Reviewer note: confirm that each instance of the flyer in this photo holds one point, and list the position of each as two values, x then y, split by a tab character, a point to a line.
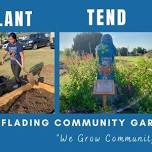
75	75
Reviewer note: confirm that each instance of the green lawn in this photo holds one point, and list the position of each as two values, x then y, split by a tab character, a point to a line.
129	59
32	57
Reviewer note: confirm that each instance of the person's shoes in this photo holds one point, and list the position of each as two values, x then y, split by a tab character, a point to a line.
15	86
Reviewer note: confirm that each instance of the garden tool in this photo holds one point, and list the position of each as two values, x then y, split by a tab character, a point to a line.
30	76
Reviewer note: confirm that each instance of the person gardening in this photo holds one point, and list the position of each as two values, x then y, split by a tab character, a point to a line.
15	50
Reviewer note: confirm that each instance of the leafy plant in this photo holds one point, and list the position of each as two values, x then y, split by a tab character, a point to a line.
133	79
76	91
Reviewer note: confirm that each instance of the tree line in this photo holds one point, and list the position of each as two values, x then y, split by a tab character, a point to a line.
86	43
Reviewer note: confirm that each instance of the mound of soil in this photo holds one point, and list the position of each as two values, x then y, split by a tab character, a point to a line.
33	101
48	74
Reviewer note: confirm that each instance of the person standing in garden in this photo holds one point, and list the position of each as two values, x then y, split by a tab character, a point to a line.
15	50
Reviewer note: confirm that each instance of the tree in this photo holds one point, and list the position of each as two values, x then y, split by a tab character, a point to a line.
2	36
139	51
67	52
86	42
122	51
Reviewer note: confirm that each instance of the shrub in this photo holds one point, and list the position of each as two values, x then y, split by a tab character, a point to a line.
76	90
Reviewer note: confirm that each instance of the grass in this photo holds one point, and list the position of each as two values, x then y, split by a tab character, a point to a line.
129	59
32	57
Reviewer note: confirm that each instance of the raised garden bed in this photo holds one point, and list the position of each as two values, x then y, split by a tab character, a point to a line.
29	99
3	84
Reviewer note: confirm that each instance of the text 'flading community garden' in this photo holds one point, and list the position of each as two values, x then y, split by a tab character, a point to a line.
79	68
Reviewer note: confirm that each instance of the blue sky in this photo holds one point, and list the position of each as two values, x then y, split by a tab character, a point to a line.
120	39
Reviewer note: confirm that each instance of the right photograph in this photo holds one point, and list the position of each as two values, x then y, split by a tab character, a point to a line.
105	72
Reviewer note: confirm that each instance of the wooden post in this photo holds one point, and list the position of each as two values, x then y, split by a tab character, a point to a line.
104	100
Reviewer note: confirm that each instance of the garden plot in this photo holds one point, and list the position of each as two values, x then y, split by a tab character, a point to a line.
33	101
29	99
133	83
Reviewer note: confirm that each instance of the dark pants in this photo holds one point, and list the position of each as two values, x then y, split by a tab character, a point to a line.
16	69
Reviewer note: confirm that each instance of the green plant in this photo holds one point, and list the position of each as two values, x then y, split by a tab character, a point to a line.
76	91
133	78
139	77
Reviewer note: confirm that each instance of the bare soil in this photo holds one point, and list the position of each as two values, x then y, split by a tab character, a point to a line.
33	101
48	74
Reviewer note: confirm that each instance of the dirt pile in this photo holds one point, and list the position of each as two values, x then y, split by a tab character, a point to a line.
33	101
48	74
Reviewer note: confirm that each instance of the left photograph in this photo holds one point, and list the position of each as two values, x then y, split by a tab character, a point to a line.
27	72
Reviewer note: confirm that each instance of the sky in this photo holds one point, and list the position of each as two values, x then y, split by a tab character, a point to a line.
120	39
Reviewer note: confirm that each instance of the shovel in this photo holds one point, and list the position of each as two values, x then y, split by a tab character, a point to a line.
30	76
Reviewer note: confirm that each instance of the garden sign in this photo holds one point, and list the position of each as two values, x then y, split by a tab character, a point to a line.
104	85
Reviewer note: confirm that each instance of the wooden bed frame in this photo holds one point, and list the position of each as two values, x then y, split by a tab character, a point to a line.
7	99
